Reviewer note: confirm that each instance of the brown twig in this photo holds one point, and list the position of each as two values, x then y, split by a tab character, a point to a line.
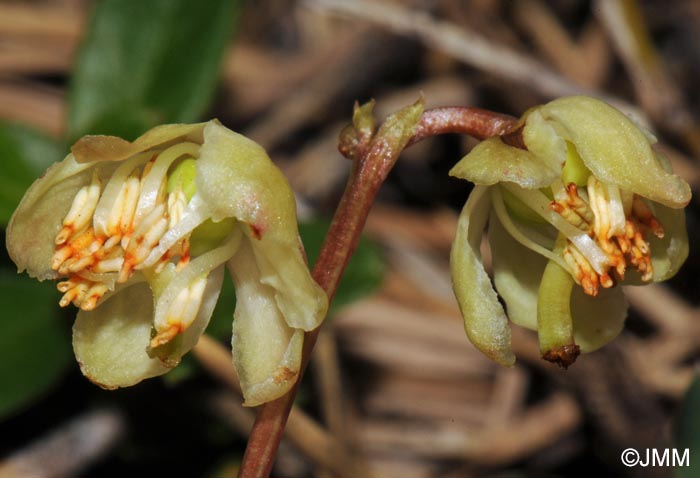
374	159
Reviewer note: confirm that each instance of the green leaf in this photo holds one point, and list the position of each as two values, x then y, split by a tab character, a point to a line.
25	154
364	272
688	430
34	343
145	63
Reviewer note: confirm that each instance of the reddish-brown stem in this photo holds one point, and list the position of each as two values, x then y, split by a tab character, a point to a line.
475	122
368	173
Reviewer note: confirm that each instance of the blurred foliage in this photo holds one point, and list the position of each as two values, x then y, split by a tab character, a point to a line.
34	346
688	430
147	63
25	154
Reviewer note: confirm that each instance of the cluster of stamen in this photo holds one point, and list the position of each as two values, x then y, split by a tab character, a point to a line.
93	255
624	243
181	312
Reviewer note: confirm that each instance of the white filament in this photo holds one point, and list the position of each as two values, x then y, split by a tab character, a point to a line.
152	182
539	203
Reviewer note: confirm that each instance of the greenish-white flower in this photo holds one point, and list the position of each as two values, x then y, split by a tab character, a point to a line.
138	235
578	197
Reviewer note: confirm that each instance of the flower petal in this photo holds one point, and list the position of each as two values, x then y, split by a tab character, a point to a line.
38	218
485	321
492	161
599	319
517	273
615	149
300	299
94	148
542	140
266	351
168	284
668	253
110	342
236	178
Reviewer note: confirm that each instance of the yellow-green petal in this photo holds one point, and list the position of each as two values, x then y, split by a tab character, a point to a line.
110	342
266	351
95	148
485	322
492	161
597	320
517	272
236	178
668	253
615	149
300	299
39	216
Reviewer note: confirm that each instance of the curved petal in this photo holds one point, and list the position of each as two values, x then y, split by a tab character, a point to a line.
517	272
543	141
668	253
39	216
170	354
492	161
93	148
110	342
266	351
485	321
168	284
236	178
37	220
597	320
191	336
300	299
615	149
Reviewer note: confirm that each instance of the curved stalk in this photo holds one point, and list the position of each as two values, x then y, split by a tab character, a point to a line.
373	159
